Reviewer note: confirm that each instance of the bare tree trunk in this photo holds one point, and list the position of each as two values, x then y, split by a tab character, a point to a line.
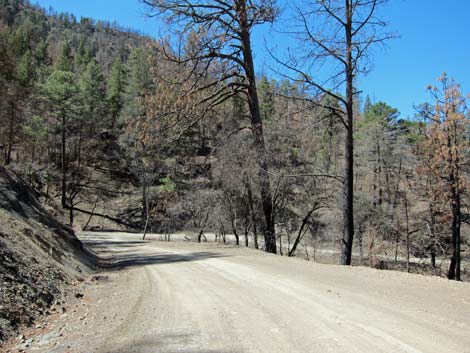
257	126
144	196
454	268
247	228
233	220
397	241
348	212
116	220
222	231
252	211
71	210
433	235
64	165
10	134
306	251
407	235
288	242
361	245
394	206
146	225
91	214
379	171
33	149
235	233
300	233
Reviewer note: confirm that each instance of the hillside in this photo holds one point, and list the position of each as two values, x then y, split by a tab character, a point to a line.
39	257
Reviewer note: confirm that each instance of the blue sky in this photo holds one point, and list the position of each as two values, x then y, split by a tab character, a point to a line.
434	38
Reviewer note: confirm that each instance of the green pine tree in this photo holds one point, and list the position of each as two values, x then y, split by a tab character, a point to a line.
81	58
25	70
60	91
64	61
266	98
115	90
92	94
139	83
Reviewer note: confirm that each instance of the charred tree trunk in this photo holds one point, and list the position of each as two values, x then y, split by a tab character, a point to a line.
361	245
64	164
300	234
146	206
233	218
222	232
433	235
91	214
257	126
71	211
10	135
348	212
407	218
252	211
33	150
247	224
235	232
454	268
144	196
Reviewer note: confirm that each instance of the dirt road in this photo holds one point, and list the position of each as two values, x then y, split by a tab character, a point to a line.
184	297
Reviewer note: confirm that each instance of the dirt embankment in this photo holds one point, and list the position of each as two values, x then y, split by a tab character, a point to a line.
39	257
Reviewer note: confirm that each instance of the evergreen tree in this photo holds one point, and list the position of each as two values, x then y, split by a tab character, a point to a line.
64	61
377	133
266	98
115	90
81	58
61	91
35	129
139	83
92	92
42	61
40	53
25	70
19	40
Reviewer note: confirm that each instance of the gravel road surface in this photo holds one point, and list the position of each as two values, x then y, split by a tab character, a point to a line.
186	297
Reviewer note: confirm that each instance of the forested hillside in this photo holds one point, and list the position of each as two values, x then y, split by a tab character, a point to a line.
126	131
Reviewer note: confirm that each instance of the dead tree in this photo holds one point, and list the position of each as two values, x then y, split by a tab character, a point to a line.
219	55
340	33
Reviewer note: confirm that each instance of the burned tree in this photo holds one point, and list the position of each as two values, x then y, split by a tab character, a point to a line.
337	34
218	55
445	157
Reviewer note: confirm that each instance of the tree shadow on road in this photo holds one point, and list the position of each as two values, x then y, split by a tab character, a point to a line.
117	255
125	260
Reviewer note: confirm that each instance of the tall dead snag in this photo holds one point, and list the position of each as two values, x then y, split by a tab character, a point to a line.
446	148
338	33
219	54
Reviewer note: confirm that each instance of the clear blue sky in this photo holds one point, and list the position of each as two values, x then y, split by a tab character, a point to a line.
435	37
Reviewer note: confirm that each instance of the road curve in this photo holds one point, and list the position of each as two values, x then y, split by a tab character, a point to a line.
209	298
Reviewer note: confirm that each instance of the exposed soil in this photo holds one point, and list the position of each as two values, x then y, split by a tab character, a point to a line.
40	259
